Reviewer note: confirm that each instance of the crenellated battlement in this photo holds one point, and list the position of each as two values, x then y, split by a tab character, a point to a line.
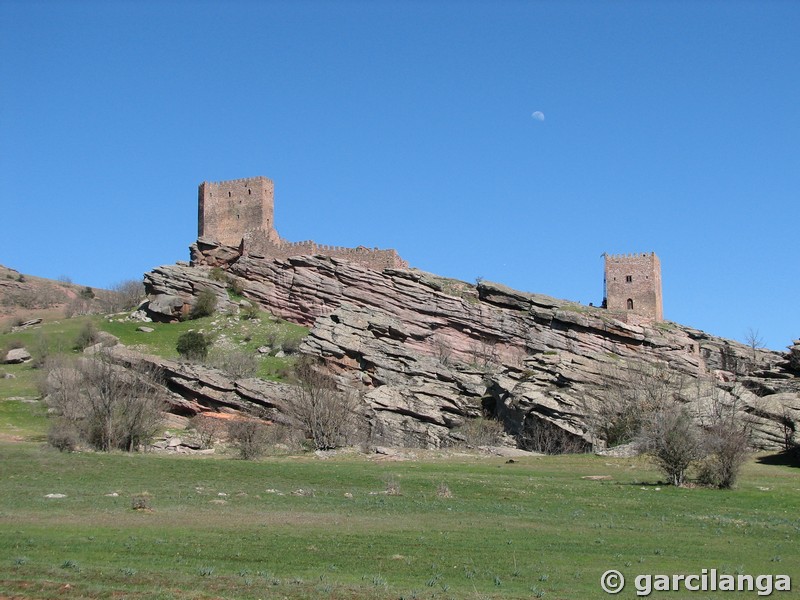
629	256
240	213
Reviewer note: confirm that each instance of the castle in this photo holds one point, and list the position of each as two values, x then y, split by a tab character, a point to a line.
633	285
241	213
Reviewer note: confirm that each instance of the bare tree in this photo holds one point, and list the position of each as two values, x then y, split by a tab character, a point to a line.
328	415
754	340
628	396
125	295
673	441
727	439
249	436
112	407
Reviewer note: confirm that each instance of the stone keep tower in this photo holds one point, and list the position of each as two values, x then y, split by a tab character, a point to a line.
229	210
633	284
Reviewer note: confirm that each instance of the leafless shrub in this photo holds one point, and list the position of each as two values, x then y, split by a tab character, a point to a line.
789	429
78	307
628	396
443	491
393	487
236	363
726	441
208	430
112	407
538	435
442	350
484	355
249	437
40	350
727	446
327	415
14	344
63	435
481	432
141	502
125	295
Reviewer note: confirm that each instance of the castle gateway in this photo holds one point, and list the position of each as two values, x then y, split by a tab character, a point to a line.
633	285
241	213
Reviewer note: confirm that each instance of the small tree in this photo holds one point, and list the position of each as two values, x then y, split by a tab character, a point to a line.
204	305
672	439
726	442
193	345
327	415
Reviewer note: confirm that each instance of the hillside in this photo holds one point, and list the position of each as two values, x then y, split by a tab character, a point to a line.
25	296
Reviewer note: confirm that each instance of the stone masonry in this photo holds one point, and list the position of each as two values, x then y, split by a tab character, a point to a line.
241	213
633	285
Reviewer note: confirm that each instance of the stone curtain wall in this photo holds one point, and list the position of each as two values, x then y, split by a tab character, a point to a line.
240	213
635	277
256	244
228	210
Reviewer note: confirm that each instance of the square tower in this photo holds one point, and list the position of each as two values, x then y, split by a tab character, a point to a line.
633	284
227	210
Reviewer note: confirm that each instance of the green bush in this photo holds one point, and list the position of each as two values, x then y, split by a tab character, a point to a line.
193	345
204	305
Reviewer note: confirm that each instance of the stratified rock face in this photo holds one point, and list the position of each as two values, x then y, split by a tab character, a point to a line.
430	352
194	389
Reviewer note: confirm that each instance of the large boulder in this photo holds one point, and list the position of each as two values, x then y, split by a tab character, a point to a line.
17	356
165	307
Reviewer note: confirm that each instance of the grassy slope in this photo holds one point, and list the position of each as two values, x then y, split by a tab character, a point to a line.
21	416
508	529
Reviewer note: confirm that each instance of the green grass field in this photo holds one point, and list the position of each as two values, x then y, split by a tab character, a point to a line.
226	528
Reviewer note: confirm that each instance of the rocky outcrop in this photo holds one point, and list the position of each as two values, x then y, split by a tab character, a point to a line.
430	352
195	389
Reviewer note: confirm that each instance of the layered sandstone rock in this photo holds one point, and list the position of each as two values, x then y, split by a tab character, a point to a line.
430	352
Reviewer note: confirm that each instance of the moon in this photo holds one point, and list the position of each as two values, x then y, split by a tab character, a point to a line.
538	115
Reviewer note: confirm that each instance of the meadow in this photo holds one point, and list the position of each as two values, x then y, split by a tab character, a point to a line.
440	525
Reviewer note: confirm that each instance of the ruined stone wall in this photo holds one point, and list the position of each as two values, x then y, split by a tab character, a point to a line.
229	210
633	284
375	258
240	213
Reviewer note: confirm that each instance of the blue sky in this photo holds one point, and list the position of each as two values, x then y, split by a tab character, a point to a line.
671	127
